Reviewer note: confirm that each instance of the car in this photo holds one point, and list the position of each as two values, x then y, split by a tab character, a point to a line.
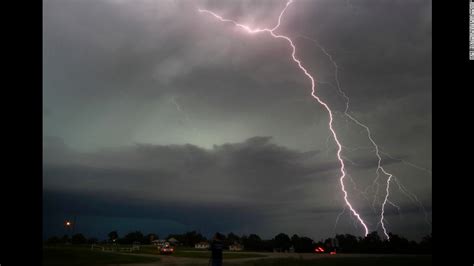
319	250
166	249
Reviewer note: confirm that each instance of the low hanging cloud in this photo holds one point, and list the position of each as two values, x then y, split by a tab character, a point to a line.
255	170
245	172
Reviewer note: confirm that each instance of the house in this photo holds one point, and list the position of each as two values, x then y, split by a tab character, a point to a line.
159	242
173	241
202	245
236	247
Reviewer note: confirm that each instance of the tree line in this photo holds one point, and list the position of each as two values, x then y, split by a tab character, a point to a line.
343	243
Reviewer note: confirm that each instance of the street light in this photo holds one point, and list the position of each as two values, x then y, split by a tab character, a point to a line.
67	226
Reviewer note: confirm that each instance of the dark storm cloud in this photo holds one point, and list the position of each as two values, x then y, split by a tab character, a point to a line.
134	57
248	171
255	180
197	91
244	172
92	204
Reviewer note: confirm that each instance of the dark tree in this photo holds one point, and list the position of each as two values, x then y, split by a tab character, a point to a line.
294	239
282	242
303	244
192	238
65	239
253	242
53	240
372	243
233	238
348	243
397	244
132	237
150	237
426	245
188	239
328	243
78	239
113	235
92	240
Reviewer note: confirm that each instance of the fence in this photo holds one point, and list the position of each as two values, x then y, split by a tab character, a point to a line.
115	248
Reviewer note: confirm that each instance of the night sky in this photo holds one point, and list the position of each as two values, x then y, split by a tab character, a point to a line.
162	119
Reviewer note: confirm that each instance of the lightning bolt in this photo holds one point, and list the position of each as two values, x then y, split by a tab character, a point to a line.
178	107
379	166
338	217
313	92
414	198
375	146
186	116
421	168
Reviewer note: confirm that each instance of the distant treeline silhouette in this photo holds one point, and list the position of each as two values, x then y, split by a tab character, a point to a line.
346	243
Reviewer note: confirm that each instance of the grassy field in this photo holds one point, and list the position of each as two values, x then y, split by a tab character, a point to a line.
376	261
226	255
82	256
79	255
195	253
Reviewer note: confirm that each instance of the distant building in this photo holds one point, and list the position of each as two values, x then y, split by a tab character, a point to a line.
159	242
202	245
236	247
173	241
136	245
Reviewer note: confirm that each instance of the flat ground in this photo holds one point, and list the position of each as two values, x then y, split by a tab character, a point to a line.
79	256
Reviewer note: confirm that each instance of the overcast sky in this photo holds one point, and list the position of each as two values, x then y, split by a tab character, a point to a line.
162	119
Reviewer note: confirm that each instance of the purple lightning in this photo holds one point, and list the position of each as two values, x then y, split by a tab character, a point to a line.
376	150
186	116
313	94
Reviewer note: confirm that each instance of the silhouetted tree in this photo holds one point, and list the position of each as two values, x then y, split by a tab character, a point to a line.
113	236
65	239
348	243
302	244
192	238
294	239
92	240
78	239
328	243
397	244
131	237
267	245
149	238
189	238
372	243
54	240
426	245
282	242
254	242
231	239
